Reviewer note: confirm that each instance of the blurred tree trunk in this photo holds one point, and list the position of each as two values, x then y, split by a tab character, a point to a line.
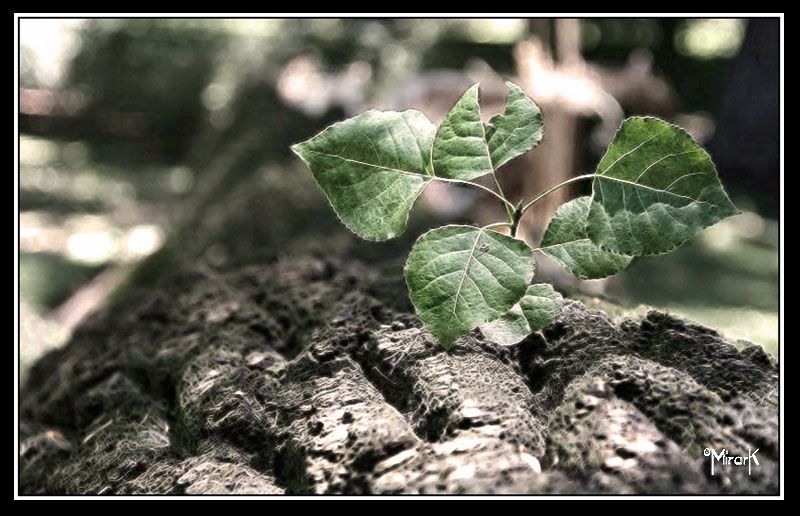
746	142
554	159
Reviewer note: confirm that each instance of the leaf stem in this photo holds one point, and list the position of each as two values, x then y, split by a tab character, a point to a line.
505	201
554	188
509	209
496	224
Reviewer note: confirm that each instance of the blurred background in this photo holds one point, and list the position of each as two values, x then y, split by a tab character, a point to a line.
147	145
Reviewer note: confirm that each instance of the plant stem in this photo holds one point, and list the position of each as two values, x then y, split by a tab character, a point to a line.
505	201
516	216
515	213
554	188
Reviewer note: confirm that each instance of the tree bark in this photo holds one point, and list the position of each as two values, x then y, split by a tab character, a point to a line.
295	377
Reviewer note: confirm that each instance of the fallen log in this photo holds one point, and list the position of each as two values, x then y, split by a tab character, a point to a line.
296	377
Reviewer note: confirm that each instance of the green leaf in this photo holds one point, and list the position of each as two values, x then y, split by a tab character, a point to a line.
462	276
460	150
566	241
372	168
517	130
654	189
537	308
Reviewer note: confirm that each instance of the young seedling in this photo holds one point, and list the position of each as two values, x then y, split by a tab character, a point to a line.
653	190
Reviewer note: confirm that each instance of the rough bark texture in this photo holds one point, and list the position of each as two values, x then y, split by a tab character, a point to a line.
296	377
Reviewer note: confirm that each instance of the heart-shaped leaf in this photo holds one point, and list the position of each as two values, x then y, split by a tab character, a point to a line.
460	150
654	189
372	168
517	130
537	308
566	241
462	276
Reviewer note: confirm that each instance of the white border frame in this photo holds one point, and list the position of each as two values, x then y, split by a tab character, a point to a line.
17	16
